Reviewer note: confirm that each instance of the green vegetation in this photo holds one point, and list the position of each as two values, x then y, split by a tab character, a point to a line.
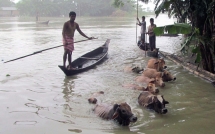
178	28
200	15
197	14
56	8
6	3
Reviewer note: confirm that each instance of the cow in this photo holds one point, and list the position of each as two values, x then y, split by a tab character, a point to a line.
153	73
150	87
158	64
157	80
153	102
167	76
93	99
135	69
120	113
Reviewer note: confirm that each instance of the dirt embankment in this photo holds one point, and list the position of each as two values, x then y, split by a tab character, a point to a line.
187	64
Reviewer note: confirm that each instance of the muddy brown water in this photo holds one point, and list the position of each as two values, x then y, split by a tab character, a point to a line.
38	98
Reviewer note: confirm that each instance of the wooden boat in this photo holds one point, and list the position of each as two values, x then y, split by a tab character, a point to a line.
153	53
88	60
146	47
42	22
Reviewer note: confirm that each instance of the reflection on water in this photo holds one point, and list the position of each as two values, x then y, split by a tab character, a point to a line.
38	98
68	84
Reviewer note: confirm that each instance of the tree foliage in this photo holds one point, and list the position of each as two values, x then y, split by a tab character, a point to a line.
199	14
63	7
178	28
6	3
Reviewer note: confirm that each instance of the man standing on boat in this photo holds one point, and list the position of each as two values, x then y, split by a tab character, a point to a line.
152	37
69	28
143	29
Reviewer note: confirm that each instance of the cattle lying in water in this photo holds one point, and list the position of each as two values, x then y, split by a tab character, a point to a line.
135	69
120	113
153	73
150	87
157	80
153	102
167	76
93	99
158	64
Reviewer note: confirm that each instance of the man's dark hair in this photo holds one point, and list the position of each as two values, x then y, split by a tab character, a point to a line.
72	13
151	19
143	17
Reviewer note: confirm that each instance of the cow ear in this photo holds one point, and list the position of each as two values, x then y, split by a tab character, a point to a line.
156	62
166	102
133	68
162	74
151	100
152	81
115	107
115	115
162	60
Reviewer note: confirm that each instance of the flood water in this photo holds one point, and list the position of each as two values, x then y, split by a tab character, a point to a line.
37	98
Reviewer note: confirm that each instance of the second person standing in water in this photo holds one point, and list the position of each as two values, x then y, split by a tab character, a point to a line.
143	29
152	37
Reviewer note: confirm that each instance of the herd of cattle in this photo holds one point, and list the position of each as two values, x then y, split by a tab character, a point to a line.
155	75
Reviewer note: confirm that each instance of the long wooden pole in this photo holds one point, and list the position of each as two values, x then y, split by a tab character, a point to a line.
145	43
44	50
136	19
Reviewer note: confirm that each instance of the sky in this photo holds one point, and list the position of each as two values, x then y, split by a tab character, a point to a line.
15	1
150	5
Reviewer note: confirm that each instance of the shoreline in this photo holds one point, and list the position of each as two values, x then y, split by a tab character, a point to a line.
190	67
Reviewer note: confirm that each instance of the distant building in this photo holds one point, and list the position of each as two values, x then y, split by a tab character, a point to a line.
9	12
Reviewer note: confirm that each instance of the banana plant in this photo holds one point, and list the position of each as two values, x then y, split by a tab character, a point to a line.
177	28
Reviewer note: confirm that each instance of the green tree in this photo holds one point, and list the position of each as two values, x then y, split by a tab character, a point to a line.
6	3
200	13
63	7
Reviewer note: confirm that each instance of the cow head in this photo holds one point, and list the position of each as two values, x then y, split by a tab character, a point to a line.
157	103
92	100
137	70
123	114
167	76
160	64
159	81
151	87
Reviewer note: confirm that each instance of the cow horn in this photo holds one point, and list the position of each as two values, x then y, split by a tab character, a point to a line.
160	98
162	74
150	100
115	115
